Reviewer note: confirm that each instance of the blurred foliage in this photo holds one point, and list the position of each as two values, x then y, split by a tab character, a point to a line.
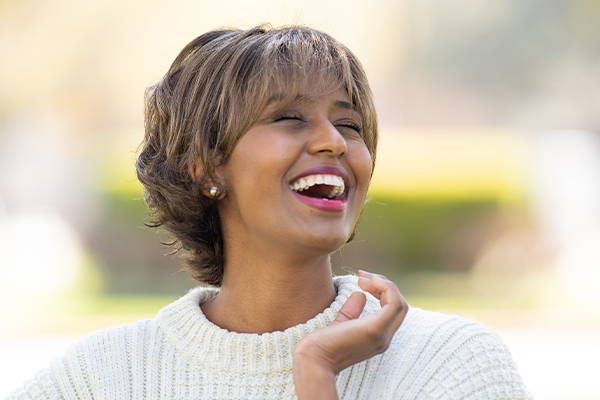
409	234
130	255
121	304
120	190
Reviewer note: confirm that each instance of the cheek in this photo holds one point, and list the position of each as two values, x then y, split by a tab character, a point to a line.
362	164
258	163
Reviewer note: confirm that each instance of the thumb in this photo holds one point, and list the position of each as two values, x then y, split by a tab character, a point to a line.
351	308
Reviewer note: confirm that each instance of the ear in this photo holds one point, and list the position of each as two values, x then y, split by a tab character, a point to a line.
200	176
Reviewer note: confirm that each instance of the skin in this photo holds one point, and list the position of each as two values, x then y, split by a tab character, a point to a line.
322	354
270	236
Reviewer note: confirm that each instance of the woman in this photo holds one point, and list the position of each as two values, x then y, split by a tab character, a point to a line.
257	157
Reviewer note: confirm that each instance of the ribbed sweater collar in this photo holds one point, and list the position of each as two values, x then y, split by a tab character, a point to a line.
201	342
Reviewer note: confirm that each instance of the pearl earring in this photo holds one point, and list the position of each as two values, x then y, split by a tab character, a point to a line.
214	192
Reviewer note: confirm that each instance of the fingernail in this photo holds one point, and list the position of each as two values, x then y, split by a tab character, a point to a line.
364	272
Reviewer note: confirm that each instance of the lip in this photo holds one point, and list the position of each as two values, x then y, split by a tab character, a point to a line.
322	204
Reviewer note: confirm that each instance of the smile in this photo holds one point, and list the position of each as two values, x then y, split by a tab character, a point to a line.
325	192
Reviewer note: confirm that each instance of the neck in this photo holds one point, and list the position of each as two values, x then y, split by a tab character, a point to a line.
264	294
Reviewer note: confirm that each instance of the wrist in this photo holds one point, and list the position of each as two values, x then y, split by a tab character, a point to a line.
307	353
306	363
313	380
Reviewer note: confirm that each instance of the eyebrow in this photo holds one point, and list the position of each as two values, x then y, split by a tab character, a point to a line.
345	104
277	97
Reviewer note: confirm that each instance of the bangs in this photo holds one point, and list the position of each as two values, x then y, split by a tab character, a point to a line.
299	64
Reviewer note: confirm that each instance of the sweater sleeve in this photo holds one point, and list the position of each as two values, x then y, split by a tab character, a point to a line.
473	363
41	386
64	379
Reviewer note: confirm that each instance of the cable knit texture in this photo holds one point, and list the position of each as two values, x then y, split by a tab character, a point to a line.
180	354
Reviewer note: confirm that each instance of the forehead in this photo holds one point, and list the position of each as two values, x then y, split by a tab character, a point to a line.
293	84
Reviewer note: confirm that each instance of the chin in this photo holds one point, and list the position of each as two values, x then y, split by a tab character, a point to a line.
328	242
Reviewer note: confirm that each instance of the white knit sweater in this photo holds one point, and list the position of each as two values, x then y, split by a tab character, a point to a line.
180	354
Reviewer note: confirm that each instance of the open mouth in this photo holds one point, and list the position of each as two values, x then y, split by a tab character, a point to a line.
322	191
329	187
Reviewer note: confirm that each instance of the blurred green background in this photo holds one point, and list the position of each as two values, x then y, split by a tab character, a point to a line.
485	199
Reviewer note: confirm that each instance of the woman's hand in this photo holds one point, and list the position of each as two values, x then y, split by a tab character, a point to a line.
349	340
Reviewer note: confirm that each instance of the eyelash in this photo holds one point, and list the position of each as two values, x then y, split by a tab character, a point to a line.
296	117
287	116
352	126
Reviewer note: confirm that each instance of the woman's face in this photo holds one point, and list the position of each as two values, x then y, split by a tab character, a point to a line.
298	177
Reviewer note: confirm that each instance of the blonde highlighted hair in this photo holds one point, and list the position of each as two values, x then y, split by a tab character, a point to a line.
214	91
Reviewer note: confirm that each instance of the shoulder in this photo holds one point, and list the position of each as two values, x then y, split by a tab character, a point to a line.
114	338
98	353
451	356
90	362
429	338
444	330
110	345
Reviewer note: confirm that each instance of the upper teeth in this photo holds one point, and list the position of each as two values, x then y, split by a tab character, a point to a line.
332	180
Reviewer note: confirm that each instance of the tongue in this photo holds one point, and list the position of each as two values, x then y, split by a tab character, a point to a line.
318	191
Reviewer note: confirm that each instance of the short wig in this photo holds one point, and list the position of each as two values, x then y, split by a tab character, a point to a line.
214	91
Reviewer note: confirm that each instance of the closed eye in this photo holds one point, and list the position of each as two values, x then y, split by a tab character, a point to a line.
352	126
288	117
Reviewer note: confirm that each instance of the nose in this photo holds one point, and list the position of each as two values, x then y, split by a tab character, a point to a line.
325	138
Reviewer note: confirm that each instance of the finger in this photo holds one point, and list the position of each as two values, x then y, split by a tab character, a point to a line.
365	283
389	291
379	286
352	308
368	273
394	306
387	320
